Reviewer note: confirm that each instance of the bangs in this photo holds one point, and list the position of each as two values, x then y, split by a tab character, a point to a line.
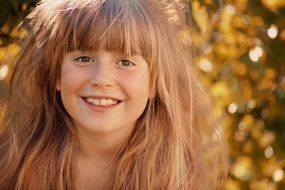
122	26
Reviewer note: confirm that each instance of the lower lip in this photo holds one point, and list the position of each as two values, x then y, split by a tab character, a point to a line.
99	108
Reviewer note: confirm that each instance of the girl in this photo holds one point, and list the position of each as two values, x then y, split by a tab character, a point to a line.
103	97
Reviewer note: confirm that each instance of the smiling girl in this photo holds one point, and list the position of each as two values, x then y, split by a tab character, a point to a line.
103	96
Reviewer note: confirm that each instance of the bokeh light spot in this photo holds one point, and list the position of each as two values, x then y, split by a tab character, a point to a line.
278	175
4	72
242	168
230	9
251	104
232	108
205	65
272	32
255	53
268	152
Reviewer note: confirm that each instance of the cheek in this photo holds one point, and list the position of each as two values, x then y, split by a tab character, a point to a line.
72	79
139	85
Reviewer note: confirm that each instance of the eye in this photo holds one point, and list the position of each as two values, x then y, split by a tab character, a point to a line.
84	59
126	63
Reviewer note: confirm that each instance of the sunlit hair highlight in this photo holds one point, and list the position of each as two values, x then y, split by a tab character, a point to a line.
176	143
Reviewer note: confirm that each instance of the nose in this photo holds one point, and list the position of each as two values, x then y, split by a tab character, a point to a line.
102	75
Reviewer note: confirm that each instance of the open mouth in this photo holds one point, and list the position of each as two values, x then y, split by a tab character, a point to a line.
102	102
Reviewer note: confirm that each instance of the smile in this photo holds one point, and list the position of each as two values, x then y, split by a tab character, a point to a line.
102	101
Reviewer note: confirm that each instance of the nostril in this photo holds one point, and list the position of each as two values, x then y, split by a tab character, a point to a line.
102	81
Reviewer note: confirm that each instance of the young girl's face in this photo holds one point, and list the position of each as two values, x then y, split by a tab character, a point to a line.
104	91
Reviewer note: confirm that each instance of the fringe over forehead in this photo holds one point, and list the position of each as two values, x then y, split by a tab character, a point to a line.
128	26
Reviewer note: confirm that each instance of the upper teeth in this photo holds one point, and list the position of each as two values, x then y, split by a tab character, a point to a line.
102	102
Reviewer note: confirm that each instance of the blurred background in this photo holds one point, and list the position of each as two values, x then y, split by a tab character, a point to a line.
239	50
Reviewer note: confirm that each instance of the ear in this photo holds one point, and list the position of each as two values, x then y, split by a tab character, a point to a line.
58	85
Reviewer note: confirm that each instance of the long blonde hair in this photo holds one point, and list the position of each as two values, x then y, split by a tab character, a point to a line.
176	143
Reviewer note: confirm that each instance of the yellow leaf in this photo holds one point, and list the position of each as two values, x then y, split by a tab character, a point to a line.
232	184
242	168
201	16
273	4
266	139
221	92
263	184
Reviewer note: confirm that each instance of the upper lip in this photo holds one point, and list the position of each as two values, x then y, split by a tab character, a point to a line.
101	97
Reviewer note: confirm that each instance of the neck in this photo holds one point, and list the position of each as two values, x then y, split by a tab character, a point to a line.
101	146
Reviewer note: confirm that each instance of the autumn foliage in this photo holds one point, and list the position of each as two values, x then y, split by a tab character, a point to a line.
238	47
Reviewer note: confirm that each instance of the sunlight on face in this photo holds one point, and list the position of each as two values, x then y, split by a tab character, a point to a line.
104	91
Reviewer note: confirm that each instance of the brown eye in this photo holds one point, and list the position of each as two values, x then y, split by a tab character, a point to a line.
126	63
84	59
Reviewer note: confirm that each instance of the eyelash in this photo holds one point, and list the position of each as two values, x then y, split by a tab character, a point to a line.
120	62
130	63
84	57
